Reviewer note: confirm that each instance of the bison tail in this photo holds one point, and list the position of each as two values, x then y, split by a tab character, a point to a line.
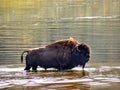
22	56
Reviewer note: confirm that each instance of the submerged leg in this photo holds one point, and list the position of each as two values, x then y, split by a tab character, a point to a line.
28	65
34	68
83	66
61	67
83	71
45	69
27	68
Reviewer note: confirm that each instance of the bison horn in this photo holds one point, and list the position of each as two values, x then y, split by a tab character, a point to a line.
78	48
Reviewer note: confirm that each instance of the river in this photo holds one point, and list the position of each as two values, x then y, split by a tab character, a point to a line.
30	24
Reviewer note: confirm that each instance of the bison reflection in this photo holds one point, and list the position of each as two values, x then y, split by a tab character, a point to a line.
62	55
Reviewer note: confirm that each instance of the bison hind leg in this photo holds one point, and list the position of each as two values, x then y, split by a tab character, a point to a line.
34	68
27	68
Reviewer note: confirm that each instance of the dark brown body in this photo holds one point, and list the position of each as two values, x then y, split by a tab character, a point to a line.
62	55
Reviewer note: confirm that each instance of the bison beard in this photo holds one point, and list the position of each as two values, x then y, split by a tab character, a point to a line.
62	55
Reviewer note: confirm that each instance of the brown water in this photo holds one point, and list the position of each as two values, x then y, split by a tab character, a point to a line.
93	78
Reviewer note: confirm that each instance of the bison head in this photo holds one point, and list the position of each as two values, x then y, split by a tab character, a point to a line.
82	54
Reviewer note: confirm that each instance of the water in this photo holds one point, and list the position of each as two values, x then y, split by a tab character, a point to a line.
93	78
102	34
30	24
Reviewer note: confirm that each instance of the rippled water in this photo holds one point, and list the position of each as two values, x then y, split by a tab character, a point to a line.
31	24
93	78
28	24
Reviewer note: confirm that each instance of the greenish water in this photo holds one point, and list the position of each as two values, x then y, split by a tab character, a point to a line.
101	34
29	24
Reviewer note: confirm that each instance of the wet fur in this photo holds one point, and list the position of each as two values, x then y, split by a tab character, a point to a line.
62	55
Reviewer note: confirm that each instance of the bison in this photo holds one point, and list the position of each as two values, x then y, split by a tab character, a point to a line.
62	55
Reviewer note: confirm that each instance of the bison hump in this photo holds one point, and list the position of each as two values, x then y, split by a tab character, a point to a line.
66	42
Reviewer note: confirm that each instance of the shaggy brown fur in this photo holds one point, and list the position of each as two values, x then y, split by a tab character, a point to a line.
62	54
67	42
64	49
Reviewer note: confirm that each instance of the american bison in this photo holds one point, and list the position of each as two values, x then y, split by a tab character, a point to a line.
62	55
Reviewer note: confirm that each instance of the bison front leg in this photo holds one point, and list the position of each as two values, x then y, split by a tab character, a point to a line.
60	62
60	67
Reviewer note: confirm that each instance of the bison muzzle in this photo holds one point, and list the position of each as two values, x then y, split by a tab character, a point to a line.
62	55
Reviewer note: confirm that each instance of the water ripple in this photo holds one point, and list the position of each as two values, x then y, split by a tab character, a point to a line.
100	76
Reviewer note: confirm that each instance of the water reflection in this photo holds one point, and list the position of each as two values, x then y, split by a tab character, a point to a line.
17	78
30	24
33	23
51	79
